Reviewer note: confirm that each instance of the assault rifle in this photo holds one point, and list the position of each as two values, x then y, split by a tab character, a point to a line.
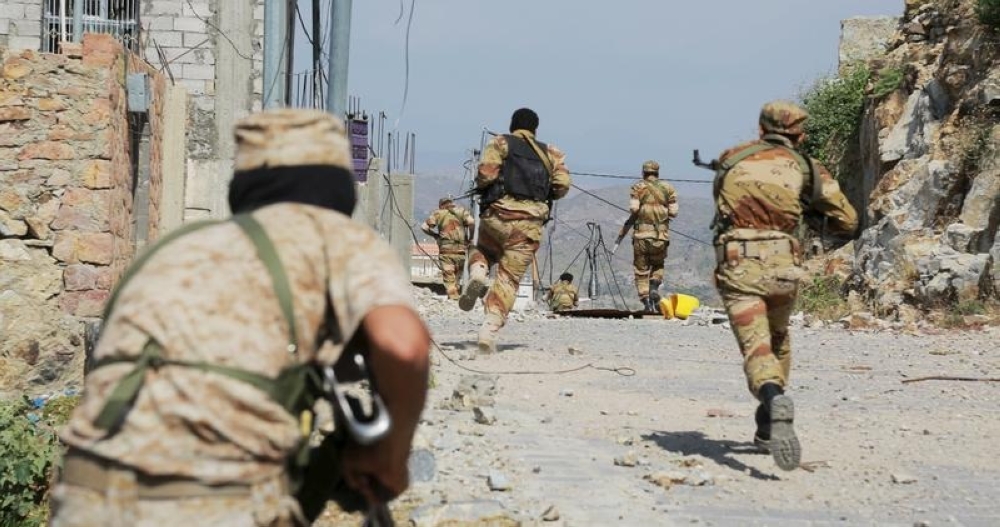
711	165
624	231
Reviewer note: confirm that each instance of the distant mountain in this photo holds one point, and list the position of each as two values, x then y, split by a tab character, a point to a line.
690	259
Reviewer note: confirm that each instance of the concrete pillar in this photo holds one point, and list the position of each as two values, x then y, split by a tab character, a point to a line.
172	158
400	235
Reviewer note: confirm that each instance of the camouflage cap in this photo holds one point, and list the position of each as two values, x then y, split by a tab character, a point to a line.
783	117
445	200
291	137
650	167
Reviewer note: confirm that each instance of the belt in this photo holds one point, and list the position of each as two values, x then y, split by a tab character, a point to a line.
756	249
84	470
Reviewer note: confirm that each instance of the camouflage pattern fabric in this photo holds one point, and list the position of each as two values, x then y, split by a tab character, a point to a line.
512	208
563	296
452	265
510	244
264	505
758	271
649	255
449	225
206	297
654	203
783	117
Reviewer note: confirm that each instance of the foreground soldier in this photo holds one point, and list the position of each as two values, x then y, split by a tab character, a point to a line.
653	203
762	189
451	226
563	296
518	178
184	419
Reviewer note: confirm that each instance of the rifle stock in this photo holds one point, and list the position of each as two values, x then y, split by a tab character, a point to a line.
624	230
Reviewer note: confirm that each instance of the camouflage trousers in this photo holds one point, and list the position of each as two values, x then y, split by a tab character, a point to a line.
759	297
511	244
121	504
452	264
648	257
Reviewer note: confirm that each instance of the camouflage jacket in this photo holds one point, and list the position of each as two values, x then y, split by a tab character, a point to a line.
764	193
562	296
508	207
207	297
449	225
654	203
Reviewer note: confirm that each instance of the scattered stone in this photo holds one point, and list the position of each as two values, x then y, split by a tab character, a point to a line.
422	465
666	479
551	514
473	390
478	512
903	478
484	415
566	393
719	412
498	481
629	459
625	440
536	469
573	350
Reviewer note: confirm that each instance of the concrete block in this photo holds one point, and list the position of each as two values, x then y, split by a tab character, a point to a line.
189	23
12	11
4	28
169	39
197	8
199	185
193	87
154	24
195	39
33	11
172	150
26	28
198	72
22	42
164	7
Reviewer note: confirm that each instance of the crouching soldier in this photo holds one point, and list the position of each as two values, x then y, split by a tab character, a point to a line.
563	296
212	342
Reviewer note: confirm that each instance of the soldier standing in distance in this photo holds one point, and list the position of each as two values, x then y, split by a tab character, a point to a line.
518	177
563	296
190	415
653	203
762	190
451	225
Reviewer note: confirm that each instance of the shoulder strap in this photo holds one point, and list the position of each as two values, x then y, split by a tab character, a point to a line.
544	157
808	169
141	260
267	254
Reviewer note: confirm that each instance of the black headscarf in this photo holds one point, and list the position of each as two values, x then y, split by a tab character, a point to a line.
326	186
524	119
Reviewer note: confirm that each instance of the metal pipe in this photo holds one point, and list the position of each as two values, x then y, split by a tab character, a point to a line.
275	38
340	46
62	20
77	20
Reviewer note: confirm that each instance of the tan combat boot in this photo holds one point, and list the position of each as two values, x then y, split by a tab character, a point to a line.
476	287
488	333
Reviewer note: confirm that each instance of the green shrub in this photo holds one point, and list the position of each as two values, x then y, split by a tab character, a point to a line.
822	298
835	107
887	81
28	449
988	12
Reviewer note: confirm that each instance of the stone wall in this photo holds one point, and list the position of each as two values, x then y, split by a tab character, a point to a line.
66	226
21	24
864	38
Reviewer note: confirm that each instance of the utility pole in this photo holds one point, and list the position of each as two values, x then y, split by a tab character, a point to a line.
340	46
276	51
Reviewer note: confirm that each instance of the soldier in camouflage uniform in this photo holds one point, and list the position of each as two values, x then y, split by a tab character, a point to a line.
762	190
176	426
518	177
653	203
451	226
563	296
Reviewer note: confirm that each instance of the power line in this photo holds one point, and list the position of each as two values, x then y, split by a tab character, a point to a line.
636	178
623	209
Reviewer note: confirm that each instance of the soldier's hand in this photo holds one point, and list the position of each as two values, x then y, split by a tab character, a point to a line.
376	471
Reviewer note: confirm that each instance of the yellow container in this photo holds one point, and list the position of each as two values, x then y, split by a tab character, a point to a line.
678	305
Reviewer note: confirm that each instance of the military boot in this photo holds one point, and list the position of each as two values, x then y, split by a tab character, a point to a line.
762	437
476	287
488	333
784	444
654	294
646	305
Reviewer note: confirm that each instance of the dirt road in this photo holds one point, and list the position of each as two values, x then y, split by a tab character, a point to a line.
670	445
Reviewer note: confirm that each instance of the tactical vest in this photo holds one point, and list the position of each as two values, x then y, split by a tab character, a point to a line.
653	200
812	187
523	174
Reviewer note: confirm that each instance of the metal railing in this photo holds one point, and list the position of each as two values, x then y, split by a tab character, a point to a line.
68	20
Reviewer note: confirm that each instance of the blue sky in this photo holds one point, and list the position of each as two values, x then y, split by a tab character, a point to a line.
614	83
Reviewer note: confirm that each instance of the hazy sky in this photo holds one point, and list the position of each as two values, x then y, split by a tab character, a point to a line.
614	83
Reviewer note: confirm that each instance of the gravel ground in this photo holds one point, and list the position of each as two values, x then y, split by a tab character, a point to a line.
670	445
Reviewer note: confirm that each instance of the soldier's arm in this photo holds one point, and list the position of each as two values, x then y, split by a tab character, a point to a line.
428	226
561	180
672	207
399	347
490	162
633	200
833	204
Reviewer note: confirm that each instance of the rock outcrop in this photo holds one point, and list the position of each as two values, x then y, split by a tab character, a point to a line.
932	165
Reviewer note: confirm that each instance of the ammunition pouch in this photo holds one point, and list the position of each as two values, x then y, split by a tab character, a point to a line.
733	251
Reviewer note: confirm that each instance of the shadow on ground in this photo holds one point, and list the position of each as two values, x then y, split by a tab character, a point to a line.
720	451
474	346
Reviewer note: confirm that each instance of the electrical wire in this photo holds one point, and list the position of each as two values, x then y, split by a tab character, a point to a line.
636	178
623	209
406	54
216	28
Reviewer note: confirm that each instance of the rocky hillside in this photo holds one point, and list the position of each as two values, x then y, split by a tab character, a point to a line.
931	166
